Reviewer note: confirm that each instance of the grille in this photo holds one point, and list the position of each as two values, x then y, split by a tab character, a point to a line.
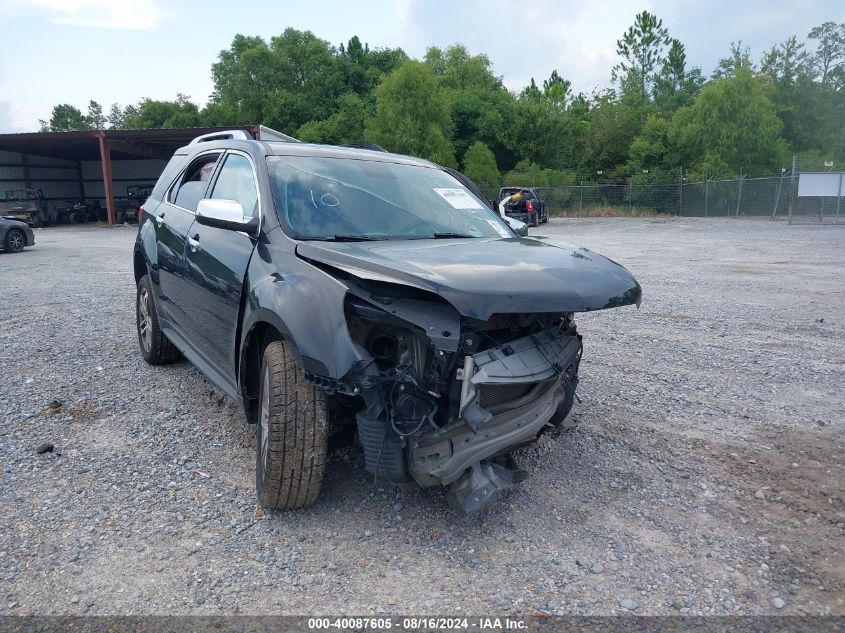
489	395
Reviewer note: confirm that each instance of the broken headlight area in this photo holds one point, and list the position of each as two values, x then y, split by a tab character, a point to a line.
443	400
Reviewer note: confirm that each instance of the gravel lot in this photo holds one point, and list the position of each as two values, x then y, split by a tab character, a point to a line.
706	475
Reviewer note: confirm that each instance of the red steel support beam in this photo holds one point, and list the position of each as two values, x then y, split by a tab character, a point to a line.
105	159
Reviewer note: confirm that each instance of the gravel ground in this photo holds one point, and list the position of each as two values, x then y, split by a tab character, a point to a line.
706	475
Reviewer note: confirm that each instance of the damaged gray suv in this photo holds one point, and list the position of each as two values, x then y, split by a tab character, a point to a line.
348	293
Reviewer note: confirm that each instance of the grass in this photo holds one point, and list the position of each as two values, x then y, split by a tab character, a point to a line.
611	212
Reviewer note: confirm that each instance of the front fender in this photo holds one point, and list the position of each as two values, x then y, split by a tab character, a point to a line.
305	305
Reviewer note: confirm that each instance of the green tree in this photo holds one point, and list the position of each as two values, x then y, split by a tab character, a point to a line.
344	127
613	126
675	86
65	118
480	166
163	114
96	118
731	125
641	49
556	90
652	151
480	107
412	115
739	59
116	117
830	53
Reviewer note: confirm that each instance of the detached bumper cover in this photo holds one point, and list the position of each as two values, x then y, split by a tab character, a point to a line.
535	362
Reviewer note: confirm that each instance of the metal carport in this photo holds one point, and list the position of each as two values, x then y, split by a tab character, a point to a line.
64	164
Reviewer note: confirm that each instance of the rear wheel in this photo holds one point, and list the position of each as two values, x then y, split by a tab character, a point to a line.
291	434
535	219
15	241
156	348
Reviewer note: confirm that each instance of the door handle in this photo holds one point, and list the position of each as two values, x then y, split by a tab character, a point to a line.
160	219
194	243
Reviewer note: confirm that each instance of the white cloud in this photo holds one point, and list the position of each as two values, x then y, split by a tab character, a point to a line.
136	15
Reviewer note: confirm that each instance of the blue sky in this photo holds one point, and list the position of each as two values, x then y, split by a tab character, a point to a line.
55	51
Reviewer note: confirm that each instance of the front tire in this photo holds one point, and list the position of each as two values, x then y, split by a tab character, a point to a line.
15	241
156	348
291	434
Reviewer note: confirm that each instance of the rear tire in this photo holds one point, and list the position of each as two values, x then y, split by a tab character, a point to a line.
535	219
156	348
291	434
15	241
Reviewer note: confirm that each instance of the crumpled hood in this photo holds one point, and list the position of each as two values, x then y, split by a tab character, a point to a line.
482	277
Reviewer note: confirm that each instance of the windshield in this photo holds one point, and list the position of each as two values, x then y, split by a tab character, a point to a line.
346	199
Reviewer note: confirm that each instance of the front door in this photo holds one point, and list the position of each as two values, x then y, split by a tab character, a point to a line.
173	217
216	263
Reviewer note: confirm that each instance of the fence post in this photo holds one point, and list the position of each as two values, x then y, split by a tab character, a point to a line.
838	198
706	192
739	194
581	197
631	196
680	190
791	189
778	190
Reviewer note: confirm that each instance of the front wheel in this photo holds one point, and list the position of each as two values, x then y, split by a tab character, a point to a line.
292	433
156	348
15	241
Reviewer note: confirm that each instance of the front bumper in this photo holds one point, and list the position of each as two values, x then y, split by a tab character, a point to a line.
533	367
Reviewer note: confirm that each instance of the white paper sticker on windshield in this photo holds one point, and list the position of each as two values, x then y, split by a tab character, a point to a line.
499	228
458	198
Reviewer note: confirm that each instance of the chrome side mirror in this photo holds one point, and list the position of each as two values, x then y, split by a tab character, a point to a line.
225	214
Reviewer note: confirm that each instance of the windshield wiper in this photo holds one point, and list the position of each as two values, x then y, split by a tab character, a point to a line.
449	236
345	237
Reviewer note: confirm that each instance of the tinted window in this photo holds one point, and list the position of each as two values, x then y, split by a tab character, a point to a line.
237	182
191	188
335	198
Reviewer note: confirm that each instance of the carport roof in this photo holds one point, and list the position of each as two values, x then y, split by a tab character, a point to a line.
124	144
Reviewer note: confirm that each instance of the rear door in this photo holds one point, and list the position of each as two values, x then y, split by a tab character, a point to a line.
173	217
216	263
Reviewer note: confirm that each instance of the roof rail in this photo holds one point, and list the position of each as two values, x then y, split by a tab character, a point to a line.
222	136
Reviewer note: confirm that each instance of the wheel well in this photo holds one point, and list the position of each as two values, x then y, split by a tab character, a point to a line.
259	337
140	266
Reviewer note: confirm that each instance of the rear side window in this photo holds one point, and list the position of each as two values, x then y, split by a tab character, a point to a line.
237	182
167	176
191	187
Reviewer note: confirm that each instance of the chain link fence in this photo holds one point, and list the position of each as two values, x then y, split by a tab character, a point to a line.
773	196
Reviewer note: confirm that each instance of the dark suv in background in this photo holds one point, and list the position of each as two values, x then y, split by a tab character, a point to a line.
360	294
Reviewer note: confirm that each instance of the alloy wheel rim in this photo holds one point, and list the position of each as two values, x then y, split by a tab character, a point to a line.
16	241
144	321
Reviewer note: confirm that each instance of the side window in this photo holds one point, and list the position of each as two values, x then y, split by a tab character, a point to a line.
190	189
237	182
